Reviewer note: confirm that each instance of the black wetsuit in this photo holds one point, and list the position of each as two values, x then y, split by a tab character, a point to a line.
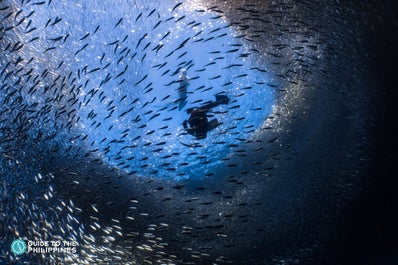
198	122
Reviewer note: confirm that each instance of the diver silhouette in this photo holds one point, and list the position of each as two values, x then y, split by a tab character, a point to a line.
182	89
199	125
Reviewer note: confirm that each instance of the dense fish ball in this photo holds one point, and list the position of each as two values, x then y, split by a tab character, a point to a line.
193	132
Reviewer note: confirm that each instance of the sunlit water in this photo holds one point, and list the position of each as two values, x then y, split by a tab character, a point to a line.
127	85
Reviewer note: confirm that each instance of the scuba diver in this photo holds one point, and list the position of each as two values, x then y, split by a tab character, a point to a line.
198	122
182	89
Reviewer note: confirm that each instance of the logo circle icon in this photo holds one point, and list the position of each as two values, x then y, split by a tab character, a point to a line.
18	247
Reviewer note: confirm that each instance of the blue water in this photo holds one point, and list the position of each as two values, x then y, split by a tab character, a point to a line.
150	140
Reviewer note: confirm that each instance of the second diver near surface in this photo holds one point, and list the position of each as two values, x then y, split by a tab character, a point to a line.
198	121
183	89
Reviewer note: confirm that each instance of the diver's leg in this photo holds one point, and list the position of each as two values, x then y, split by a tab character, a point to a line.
213	124
220	99
182	104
